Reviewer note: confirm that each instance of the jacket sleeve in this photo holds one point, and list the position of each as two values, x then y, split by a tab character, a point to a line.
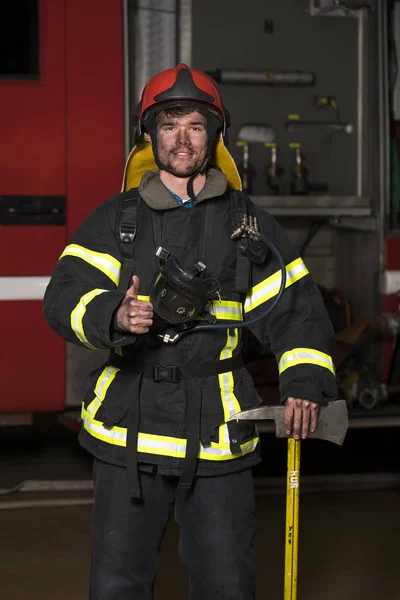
298	330
82	296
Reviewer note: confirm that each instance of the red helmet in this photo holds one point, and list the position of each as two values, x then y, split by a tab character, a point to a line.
180	86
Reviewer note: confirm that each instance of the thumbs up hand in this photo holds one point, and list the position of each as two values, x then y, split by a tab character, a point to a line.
134	316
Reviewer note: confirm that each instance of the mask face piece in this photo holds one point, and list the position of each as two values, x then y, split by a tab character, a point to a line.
179	295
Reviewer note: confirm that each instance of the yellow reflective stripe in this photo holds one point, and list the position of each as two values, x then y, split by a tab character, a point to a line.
118	351
103	383
267	289
113	435
226	309
79	312
226	383
162	445
301	356
106	263
144	298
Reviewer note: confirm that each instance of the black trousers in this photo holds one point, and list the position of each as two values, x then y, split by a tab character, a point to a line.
217	533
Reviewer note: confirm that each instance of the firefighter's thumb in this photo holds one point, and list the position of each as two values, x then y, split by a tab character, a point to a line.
133	290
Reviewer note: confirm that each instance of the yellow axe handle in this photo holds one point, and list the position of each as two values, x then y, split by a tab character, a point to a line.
292	519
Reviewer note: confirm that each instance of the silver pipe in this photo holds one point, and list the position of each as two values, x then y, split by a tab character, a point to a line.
126	63
263	77
185	32
384	128
362	16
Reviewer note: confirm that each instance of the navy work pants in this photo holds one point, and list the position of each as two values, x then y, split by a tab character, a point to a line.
217	530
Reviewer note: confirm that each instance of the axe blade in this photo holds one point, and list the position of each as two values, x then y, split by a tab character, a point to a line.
332	420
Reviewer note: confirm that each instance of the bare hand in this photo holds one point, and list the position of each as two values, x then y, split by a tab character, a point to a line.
134	316
302	416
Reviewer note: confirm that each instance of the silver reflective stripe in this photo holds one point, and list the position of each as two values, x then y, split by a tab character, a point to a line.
226	309
301	356
106	263
103	383
163	445
268	288
230	403
78	314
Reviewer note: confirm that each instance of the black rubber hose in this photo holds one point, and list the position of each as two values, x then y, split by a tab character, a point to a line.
235	324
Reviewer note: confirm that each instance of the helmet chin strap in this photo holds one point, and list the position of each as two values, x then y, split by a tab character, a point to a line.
213	124
190	186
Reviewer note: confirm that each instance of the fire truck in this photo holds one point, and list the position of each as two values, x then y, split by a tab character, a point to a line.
61	154
65	100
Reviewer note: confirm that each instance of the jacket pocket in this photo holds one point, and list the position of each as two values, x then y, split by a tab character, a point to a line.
222	397
245	391
107	397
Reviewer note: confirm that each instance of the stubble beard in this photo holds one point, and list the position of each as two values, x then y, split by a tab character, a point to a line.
182	171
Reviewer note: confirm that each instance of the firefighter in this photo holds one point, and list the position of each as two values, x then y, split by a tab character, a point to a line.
153	265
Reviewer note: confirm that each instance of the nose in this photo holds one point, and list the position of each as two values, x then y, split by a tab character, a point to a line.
182	136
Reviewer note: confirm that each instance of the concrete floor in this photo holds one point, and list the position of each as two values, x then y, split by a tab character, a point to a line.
348	550
349	547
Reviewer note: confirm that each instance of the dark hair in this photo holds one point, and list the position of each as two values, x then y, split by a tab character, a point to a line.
181	111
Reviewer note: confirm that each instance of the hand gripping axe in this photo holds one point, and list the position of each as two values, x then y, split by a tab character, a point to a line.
332	426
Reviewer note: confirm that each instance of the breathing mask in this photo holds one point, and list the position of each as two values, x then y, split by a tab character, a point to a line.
181	295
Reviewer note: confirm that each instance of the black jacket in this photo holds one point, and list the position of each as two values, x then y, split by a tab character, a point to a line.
82	298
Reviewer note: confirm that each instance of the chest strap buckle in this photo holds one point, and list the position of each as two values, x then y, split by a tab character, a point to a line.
166	373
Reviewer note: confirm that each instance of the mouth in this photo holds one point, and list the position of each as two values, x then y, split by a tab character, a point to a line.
183	153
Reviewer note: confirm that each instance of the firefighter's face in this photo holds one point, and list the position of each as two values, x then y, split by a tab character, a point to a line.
182	142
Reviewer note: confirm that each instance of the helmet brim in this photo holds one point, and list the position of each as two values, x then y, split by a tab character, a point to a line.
156	109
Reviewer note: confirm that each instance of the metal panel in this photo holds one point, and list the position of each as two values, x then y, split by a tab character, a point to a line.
328	47
396	34
311	206
357	272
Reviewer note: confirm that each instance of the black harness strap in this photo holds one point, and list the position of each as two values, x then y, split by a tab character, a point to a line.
193	419
233	429
207	230
128	227
132	440
193	415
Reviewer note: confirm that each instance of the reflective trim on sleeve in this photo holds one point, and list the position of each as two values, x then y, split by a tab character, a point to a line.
267	289
226	382
106	263
163	445
304	356
103	383
226	309
79	312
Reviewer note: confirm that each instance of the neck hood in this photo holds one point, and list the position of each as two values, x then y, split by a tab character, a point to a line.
158	197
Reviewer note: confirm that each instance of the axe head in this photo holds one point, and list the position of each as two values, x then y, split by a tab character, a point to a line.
332	420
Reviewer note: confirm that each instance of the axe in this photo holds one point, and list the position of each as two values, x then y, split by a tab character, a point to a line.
332	426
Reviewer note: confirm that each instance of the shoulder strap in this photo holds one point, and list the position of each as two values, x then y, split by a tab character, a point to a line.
128	225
